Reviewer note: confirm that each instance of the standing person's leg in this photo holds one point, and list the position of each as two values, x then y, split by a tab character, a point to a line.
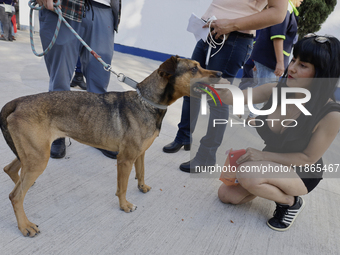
12	29
1	27
228	60
60	61
189	114
78	78
262	75
184	131
247	76
5	20
62	58
78	66
97	31
10	33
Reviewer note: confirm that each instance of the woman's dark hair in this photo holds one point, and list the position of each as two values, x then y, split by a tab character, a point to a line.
325	56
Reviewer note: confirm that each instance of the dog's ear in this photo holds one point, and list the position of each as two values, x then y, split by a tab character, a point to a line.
168	68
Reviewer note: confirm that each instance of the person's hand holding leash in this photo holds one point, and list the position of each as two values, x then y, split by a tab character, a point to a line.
48	4
220	27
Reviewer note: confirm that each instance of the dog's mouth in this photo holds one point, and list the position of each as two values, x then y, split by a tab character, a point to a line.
198	88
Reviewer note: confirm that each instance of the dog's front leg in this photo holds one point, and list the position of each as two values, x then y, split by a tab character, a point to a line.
139	166
124	168
17	196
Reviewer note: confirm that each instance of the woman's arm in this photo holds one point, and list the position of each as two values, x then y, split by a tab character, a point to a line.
260	94
278	48
274	14
324	134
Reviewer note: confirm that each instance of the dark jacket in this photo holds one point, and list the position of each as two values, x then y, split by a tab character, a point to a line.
264	52
116	6
6	2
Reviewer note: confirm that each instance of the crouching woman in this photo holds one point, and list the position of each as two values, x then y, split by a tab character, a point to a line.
300	143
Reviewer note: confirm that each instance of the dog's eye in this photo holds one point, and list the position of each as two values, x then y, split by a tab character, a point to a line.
194	69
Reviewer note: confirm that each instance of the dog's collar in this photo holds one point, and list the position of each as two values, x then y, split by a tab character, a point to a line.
159	106
133	84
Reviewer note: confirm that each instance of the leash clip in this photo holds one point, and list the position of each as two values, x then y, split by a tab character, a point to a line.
121	77
108	68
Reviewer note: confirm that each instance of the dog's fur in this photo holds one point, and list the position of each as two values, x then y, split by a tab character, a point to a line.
115	121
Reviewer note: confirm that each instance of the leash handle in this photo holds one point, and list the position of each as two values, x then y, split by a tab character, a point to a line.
32	4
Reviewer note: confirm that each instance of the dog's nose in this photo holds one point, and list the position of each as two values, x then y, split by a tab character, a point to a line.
219	74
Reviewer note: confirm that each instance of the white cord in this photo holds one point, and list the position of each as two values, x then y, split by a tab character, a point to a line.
213	44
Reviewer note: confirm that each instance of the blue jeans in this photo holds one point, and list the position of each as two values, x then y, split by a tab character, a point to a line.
78	66
262	76
1	29
229	60
247	79
62	58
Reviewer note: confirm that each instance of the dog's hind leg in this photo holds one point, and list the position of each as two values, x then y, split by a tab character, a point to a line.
12	170
124	168
139	166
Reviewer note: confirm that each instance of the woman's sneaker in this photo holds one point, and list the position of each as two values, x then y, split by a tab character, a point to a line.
285	215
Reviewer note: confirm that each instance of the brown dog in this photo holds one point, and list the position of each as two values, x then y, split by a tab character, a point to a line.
117	121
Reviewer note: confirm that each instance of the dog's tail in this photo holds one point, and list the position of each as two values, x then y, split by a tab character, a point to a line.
7	110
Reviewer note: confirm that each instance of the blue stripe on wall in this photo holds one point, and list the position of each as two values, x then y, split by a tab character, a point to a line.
154	55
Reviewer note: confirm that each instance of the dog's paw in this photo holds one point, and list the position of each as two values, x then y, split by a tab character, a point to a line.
128	207
144	188
29	229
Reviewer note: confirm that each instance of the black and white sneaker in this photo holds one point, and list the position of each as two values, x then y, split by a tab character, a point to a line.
285	215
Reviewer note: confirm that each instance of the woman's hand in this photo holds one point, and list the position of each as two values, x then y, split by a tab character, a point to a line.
48	4
220	27
251	155
279	69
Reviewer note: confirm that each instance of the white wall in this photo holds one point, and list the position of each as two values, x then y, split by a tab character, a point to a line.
24	15
160	25
332	24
